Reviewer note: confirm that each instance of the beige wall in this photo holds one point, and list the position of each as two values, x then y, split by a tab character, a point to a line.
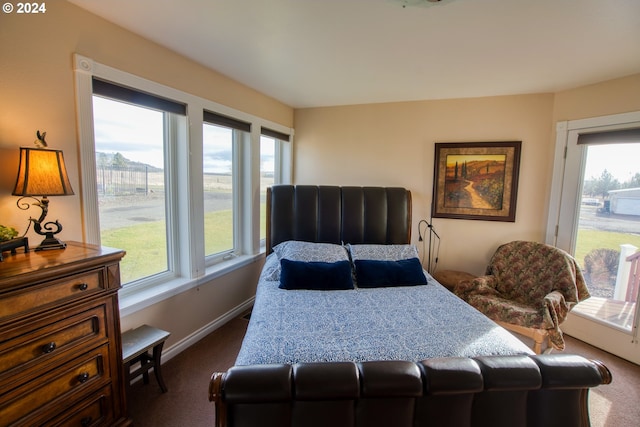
602	99
37	92
393	144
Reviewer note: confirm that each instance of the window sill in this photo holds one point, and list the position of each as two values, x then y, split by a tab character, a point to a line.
139	299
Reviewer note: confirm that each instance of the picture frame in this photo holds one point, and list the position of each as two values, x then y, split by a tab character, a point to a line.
476	180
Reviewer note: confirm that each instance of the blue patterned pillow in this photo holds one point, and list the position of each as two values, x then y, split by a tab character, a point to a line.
376	274
308	251
319	276
383	252
296	250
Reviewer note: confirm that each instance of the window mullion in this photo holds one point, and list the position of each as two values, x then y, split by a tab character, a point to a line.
243	160
284	162
252	187
172	179
191	164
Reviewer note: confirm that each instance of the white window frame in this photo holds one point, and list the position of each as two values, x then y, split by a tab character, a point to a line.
186	211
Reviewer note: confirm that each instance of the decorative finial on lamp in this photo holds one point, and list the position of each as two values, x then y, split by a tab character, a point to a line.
40	142
42	172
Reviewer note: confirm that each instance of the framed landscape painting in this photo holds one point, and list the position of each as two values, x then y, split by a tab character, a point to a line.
476	180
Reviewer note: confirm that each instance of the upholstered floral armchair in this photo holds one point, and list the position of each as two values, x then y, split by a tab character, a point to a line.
528	288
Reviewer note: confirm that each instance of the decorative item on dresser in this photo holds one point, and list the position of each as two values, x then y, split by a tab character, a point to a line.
42	173
60	344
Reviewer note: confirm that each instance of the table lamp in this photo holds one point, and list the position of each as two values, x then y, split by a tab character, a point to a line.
42	173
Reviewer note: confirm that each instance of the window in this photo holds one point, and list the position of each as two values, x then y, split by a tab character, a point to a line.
271	145
180	202
130	180
133	138
220	135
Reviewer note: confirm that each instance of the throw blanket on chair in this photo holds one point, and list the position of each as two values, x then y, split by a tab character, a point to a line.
528	284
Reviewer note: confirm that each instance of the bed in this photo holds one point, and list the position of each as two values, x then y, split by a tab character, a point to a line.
348	329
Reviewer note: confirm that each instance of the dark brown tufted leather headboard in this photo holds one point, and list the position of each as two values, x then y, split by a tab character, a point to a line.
332	214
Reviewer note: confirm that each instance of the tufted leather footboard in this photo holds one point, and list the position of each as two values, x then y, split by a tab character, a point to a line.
542	390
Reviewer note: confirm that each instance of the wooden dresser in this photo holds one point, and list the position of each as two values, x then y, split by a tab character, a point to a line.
60	346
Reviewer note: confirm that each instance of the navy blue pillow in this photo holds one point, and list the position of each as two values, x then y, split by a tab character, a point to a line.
318	276
376	274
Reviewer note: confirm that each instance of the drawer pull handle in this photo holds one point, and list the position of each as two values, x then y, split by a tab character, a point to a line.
83	286
83	377
48	348
86	421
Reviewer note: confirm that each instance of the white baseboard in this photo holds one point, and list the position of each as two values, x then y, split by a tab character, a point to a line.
188	341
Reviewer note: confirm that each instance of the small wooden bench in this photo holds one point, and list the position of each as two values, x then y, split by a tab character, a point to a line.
136	345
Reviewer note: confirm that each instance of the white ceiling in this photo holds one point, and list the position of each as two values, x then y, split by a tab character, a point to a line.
309	53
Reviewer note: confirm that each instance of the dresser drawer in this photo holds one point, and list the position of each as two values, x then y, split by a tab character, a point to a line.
21	355
38	297
95	410
55	388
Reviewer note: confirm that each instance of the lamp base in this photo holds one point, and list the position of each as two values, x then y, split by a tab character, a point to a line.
50	243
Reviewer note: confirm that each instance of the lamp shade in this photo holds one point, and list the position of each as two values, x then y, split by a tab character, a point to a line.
42	173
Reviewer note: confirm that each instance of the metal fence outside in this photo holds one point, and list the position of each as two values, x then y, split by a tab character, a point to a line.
123	180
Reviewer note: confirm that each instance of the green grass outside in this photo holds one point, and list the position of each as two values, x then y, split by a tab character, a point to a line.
145	243
589	240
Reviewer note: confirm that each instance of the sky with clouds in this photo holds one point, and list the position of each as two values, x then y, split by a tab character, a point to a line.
621	160
137	134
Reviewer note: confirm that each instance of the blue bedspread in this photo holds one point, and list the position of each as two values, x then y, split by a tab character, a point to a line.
397	323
